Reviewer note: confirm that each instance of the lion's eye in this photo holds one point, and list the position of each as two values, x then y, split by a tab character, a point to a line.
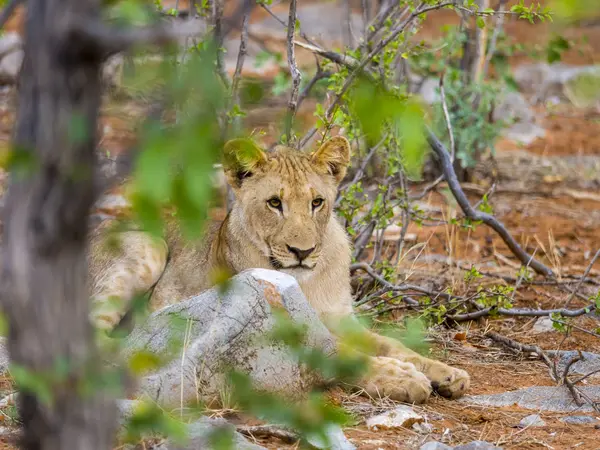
317	202
274	203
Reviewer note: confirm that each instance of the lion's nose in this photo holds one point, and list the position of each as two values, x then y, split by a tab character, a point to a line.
301	254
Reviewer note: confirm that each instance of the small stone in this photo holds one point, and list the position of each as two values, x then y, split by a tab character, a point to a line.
125	409
200	434
423	427
9	43
10	66
434	445
477	445
400	417
533	420
543	325
578	420
336	440
524	133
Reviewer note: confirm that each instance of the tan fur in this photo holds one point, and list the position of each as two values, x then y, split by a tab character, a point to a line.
273	234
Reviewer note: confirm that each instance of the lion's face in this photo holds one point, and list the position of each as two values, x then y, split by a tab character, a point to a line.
286	198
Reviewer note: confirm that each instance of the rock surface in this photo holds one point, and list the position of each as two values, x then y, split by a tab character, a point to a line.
540	398
336	440
559	81
9	43
10	66
543	325
200	434
4	360
477	445
434	445
590	363
579	420
533	420
400	417
228	330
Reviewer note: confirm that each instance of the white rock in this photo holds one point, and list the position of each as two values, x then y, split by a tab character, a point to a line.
533	420
227	331
336	440
524	133
400	417
434	445
9	43
10	66
543	325
430	91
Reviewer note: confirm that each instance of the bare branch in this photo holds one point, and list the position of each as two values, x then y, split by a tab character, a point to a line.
581	280
321	74
521	312
360	67
219	37
98	38
295	73
235	100
510	343
450	175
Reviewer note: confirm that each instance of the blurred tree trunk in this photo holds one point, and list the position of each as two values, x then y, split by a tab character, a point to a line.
44	247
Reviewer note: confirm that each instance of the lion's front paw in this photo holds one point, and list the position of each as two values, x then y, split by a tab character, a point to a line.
447	381
398	380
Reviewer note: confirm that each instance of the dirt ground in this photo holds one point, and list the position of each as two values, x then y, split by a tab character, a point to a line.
563	231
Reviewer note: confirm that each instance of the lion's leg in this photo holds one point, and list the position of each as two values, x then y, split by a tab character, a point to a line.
122	266
389	377
447	381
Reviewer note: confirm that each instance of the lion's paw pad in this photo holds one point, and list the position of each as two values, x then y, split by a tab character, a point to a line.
399	381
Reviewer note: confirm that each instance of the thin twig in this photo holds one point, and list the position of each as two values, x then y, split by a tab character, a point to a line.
394	33
321	74
494	39
454	185
585	274
235	100
570	385
515	345
447	118
294	72
219	37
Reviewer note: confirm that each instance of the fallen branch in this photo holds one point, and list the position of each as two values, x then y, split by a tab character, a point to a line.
578	396
521	312
269	431
515	345
454	185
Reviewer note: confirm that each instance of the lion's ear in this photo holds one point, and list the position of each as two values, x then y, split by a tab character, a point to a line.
240	158
334	155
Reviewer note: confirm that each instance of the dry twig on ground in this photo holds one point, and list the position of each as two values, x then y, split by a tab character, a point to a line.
268	431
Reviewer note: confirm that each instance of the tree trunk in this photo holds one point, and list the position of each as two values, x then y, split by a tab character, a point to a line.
44	247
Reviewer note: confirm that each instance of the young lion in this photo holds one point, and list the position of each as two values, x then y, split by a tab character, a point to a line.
282	219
